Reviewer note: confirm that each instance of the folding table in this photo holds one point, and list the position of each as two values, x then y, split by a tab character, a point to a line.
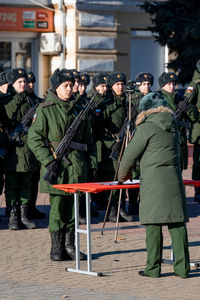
96	187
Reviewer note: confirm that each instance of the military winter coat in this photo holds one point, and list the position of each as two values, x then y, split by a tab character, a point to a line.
193	92
190	116
110	116
135	99
19	157
53	117
155	144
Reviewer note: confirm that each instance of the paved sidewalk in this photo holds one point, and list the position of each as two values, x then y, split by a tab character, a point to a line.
26	271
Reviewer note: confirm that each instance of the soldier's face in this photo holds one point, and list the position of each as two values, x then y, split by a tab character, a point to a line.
30	87
101	89
20	85
82	89
64	90
75	87
169	87
3	88
118	88
145	87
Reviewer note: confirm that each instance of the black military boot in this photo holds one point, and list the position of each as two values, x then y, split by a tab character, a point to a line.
13	223
34	213
24	217
133	203
112	217
123	214
70	247
57	245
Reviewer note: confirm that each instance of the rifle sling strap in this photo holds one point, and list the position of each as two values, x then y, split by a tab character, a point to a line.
78	146
72	145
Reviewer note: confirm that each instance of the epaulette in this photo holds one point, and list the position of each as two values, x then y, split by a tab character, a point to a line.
197	81
46	104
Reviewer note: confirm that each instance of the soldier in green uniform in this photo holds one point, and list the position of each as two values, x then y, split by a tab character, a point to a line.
111	116
84	81
167	82
99	85
52	119
193	92
144	82
34	213
19	163
3	82
99	91
3	138
82	99
76	75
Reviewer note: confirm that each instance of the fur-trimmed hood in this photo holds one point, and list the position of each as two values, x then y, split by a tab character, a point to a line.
150	111
160	116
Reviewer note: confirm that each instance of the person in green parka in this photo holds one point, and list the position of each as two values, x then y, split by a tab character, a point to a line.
193	92
156	145
34	213
19	163
167	82
52	119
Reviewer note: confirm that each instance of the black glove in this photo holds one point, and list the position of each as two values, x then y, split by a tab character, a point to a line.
120	182
183	105
92	175
53	167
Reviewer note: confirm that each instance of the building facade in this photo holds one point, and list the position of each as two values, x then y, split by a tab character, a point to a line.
87	35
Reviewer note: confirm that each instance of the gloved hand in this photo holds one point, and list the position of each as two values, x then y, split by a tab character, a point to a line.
183	105
53	167
92	175
120	183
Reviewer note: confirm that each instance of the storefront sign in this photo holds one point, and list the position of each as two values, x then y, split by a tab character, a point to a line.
26	19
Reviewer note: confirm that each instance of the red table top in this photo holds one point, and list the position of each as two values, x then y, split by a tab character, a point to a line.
96	187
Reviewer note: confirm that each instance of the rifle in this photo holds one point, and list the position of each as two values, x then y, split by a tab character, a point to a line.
61	151
15	135
182	108
128	123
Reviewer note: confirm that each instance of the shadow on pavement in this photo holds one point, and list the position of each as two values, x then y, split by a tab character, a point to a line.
41	223
193	208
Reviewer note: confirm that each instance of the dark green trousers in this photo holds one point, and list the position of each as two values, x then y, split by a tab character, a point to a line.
154	244
34	190
62	215
18	188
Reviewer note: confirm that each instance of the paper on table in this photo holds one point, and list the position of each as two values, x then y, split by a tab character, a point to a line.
135	181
